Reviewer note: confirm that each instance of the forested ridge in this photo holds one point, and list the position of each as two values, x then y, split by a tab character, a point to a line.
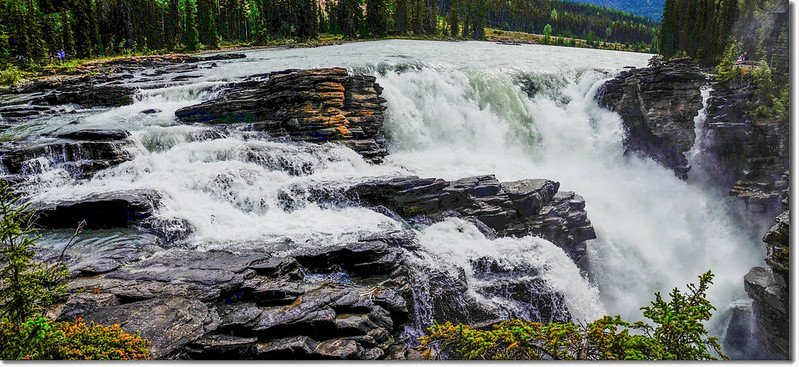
34	31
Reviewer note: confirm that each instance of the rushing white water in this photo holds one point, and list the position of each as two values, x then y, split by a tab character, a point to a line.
454	110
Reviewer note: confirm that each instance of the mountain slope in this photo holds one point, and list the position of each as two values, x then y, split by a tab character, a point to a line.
652	9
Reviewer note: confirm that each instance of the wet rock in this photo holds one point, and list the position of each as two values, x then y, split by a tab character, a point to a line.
238	315
272	291
220	346
169	323
102	210
82	304
750	157
312	313
81	153
316	105
274	266
297	347
339	349
172	230
520	208
657	105
771	310
95	135
365	258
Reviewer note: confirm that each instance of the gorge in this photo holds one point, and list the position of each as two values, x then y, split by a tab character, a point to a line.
332	202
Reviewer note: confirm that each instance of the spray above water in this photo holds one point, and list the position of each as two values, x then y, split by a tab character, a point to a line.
487	114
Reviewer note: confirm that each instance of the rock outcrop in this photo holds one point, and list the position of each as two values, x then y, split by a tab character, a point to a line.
103	210
657	106
318	105
81	153
769	288
519	208
751	157
103	83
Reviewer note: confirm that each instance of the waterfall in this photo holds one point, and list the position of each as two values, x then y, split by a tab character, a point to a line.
450	115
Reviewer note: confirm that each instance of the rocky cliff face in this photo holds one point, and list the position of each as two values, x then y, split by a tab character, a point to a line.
769	287
748	157
751	157
658	105
318	105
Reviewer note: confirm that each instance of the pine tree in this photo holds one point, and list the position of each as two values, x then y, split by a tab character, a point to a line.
172	25
206	23
67	35
376	15
452	18
192	37
401	17
417	18
85	27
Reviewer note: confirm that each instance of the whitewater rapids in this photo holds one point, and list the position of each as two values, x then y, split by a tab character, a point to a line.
454	110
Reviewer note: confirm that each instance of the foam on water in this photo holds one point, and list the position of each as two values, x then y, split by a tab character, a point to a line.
454	110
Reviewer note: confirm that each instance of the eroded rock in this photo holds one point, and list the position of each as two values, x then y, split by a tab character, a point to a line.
657	106
316	105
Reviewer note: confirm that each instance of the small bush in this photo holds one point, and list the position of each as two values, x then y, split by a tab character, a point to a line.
675	332
40	338
10	75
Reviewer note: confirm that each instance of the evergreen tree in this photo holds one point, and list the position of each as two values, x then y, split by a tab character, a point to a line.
350	17
85	27
401	21
172	26
376	16
417	17
452	18
67	36
206	23
192	36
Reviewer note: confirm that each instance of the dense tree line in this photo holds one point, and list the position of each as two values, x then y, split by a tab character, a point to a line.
37	29
704	29
570	19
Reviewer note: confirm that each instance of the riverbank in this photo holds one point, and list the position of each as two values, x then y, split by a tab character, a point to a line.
13	74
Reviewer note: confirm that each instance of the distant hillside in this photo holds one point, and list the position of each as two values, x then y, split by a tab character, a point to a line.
652	9
567	19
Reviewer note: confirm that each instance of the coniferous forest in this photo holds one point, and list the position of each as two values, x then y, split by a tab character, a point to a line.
32	31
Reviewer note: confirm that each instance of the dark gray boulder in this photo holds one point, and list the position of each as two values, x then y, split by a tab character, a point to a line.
169	323
657	105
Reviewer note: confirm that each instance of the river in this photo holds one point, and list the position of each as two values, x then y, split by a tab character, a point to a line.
454	110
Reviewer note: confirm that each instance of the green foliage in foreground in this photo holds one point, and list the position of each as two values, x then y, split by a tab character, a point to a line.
675	332
29	287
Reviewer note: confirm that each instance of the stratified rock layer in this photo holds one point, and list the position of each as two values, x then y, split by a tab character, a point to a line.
519	208
317	105
658	105
769	288
751	157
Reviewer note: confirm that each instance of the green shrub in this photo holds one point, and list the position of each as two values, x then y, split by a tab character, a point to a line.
726	70
10	75
40	338
675	332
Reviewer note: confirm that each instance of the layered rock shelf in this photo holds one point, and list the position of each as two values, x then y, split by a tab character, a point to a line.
519	208
317	105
